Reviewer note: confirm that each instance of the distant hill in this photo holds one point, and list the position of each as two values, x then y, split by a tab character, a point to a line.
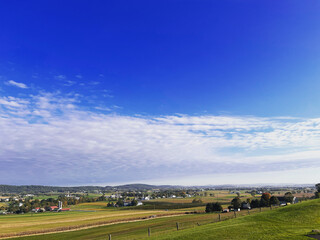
126	187
46	189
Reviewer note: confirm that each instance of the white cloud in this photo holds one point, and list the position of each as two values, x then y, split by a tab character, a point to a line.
81	146
79	76
16	84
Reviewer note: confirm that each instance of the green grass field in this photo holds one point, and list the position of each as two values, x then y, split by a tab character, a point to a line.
291	222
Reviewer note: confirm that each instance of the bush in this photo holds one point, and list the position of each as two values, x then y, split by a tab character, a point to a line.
274	200
197	200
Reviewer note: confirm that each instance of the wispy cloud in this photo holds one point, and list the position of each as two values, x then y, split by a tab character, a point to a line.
94	83
60	77
83	146
16	84
69	83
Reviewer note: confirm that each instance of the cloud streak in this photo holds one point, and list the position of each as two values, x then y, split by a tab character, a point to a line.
16	84
48	138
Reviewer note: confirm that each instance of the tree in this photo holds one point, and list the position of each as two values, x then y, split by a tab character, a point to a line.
317	193
274	200
213	207
288	197
120	203
266	196
236	202
264	203
265	199
255	203
134	202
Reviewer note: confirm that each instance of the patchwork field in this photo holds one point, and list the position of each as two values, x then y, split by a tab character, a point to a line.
46	222
138	229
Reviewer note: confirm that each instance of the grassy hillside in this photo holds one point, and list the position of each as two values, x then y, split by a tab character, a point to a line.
291	222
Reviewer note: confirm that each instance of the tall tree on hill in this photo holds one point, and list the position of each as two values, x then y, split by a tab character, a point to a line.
317	193
265	199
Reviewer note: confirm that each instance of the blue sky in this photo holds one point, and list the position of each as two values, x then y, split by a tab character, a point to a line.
157	91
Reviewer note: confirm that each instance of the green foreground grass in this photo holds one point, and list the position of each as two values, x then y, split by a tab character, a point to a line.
291	222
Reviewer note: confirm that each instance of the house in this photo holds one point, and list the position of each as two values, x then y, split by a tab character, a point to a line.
245	206
35	209
283	202
139	203
226	210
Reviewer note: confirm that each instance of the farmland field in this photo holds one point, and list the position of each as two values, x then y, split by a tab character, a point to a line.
95	220
291	222
138	229
50	221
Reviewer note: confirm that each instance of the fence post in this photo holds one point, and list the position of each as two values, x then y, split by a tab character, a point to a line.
149	232
248	212
235	214
109	236
177	226
270	207
260	209
219	217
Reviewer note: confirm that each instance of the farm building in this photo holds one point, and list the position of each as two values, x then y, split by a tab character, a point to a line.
38	209
64	209
53	208
245	206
